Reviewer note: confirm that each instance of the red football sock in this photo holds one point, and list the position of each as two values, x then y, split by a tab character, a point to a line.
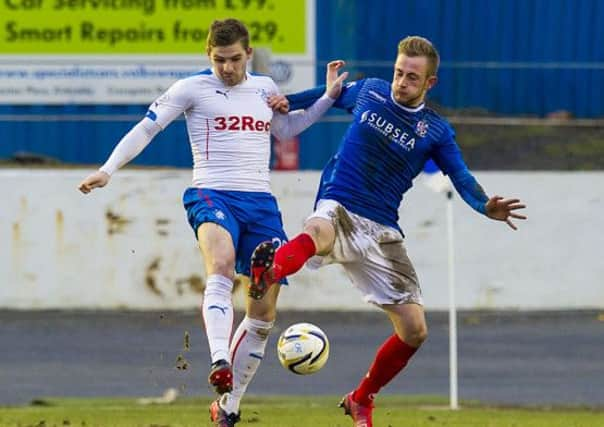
390	359
290	257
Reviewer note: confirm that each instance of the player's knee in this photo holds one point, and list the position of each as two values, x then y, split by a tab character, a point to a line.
313	230
222	266
322	235
416	336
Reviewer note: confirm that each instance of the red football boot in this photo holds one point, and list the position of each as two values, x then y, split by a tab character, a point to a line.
361	415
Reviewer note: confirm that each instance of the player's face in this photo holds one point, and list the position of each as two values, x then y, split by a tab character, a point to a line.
411	81
230	62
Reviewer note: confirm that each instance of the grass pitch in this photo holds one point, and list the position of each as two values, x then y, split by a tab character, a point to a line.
392	411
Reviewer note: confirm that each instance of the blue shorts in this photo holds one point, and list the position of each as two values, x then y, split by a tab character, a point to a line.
249	217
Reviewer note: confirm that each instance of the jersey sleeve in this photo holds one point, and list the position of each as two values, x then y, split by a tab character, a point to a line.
449	159
131	145
284	126
345	101
175	101
274	89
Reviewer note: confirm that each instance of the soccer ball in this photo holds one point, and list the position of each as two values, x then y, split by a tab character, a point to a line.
303	348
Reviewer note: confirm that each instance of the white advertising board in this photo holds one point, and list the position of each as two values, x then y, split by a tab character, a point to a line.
129	245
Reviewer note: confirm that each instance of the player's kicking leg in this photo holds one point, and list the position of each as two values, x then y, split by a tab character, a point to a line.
261	270
269	265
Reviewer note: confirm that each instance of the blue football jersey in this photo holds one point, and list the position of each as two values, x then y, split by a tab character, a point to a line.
384	149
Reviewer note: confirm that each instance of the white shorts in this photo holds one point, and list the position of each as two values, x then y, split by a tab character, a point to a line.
373	255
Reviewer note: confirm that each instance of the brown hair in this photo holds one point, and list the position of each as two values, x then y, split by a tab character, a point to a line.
226	33
420	46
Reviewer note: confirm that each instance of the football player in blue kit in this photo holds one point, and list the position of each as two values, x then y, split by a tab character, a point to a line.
355	220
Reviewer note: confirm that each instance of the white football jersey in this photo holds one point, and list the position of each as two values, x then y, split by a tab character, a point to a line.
229	128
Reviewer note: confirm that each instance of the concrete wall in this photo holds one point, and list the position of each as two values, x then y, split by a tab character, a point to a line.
129	245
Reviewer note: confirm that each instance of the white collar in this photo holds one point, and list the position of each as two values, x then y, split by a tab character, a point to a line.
408	109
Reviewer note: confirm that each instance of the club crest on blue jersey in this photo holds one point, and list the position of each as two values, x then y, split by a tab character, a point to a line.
389	130
219	214
421	128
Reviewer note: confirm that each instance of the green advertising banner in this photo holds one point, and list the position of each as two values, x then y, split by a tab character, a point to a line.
144	26
131	51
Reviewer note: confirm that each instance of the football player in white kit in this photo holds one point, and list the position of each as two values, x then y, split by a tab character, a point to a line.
229	205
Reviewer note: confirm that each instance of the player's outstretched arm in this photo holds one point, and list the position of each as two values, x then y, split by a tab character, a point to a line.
285	126
97	179
128	148
501	209
177	99
449	159
333	87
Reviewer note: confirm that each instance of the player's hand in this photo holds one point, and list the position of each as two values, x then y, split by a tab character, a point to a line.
92	181
332	80
502	209
278	103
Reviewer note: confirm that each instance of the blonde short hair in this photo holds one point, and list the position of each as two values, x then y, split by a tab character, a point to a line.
420	46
